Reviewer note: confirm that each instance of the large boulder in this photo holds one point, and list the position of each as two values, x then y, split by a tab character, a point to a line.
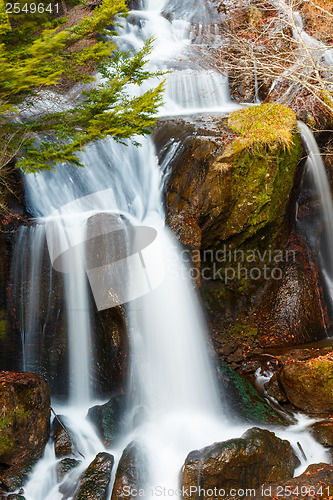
24	424
230	184
108	418
131	474
308	384
94	482
247	462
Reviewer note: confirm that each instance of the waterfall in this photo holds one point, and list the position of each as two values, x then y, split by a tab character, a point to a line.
324	239
174	399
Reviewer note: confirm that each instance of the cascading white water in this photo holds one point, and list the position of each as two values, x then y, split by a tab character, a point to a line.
316	167
175	405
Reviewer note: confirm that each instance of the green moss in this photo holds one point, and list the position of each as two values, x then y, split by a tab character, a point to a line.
260	126
324	372
6	443
242	329
2	324
247	402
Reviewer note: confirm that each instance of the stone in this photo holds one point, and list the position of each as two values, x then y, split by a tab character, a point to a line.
94	482
24	424
107	418
308	384
257	457
64	466
131	473
323	432
63	444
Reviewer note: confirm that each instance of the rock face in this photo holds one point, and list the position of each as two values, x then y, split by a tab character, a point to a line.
293	309
95	480
131	473
24	424
247	462
231	192
108	418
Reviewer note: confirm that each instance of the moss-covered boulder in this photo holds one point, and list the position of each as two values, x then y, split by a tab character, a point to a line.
24	424
107	418
237	183
131	473
308	383
94	482
241	463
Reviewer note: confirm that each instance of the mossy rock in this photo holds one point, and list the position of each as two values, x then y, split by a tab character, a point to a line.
308	384
234	187
245	401
24	425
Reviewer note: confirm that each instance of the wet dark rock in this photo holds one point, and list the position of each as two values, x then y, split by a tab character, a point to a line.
63	444
246	462
94	482
131	473
293	308
323	432
108	418
110	350
316	481
24	425
66	465
15	497
10	338
244	400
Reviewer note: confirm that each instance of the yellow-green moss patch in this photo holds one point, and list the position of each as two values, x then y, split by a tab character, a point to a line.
265	125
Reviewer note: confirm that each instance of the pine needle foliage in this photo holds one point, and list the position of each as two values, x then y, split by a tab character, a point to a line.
41	51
